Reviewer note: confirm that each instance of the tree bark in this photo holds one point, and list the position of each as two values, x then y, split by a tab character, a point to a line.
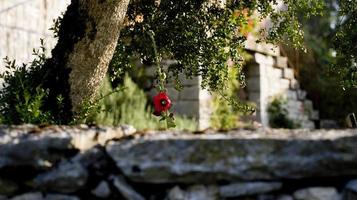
87	38
91	55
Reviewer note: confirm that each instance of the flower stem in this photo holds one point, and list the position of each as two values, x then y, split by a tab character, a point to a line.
161	74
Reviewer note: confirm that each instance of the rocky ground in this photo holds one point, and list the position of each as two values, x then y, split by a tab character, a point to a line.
81	162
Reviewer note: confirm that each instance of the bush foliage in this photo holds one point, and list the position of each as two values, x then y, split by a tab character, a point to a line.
130	106
278	114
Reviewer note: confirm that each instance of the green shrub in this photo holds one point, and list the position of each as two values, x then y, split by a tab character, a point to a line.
130	106
278	114
23	95
227	110
223	117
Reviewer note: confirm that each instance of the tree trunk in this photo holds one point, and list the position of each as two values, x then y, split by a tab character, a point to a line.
87	38
91	55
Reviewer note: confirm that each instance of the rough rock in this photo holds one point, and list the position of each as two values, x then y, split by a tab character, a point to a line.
350	190
317	193
59	197
352	185
328	124
29	196
7	187
266	197
40	196
68	177
246	189
89	157
262	154
102	190
48	145
285	197
96	161
176	193
125	189
193	193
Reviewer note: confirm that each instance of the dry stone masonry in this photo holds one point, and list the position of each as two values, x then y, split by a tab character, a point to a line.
269	76
94	162
23	23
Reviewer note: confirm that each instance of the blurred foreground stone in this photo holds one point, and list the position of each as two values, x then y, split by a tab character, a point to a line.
82	162
237	155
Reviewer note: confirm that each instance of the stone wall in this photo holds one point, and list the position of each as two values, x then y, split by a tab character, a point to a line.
269	76
23	23
82	162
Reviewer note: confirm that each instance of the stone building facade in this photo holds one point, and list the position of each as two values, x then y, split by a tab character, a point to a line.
24	22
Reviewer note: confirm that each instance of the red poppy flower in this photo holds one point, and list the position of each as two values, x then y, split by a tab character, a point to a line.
162	103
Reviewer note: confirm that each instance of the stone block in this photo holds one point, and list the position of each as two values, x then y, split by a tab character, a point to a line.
304	118
29	196
149	70
288	73
197	192
277	73
204	124
294	84
67	178
254	96
168	62
261	47
248	188
126	190
295	105
281	62
187	158
253	84
205	112
264	59
317	193
301	94
328	124
253	70
272	74
310	125
284	85
204	95
315	115
190	81
102	190
293	116
291	94
308	106
173	93
189	93
59	197
285	197
187	108
275	89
